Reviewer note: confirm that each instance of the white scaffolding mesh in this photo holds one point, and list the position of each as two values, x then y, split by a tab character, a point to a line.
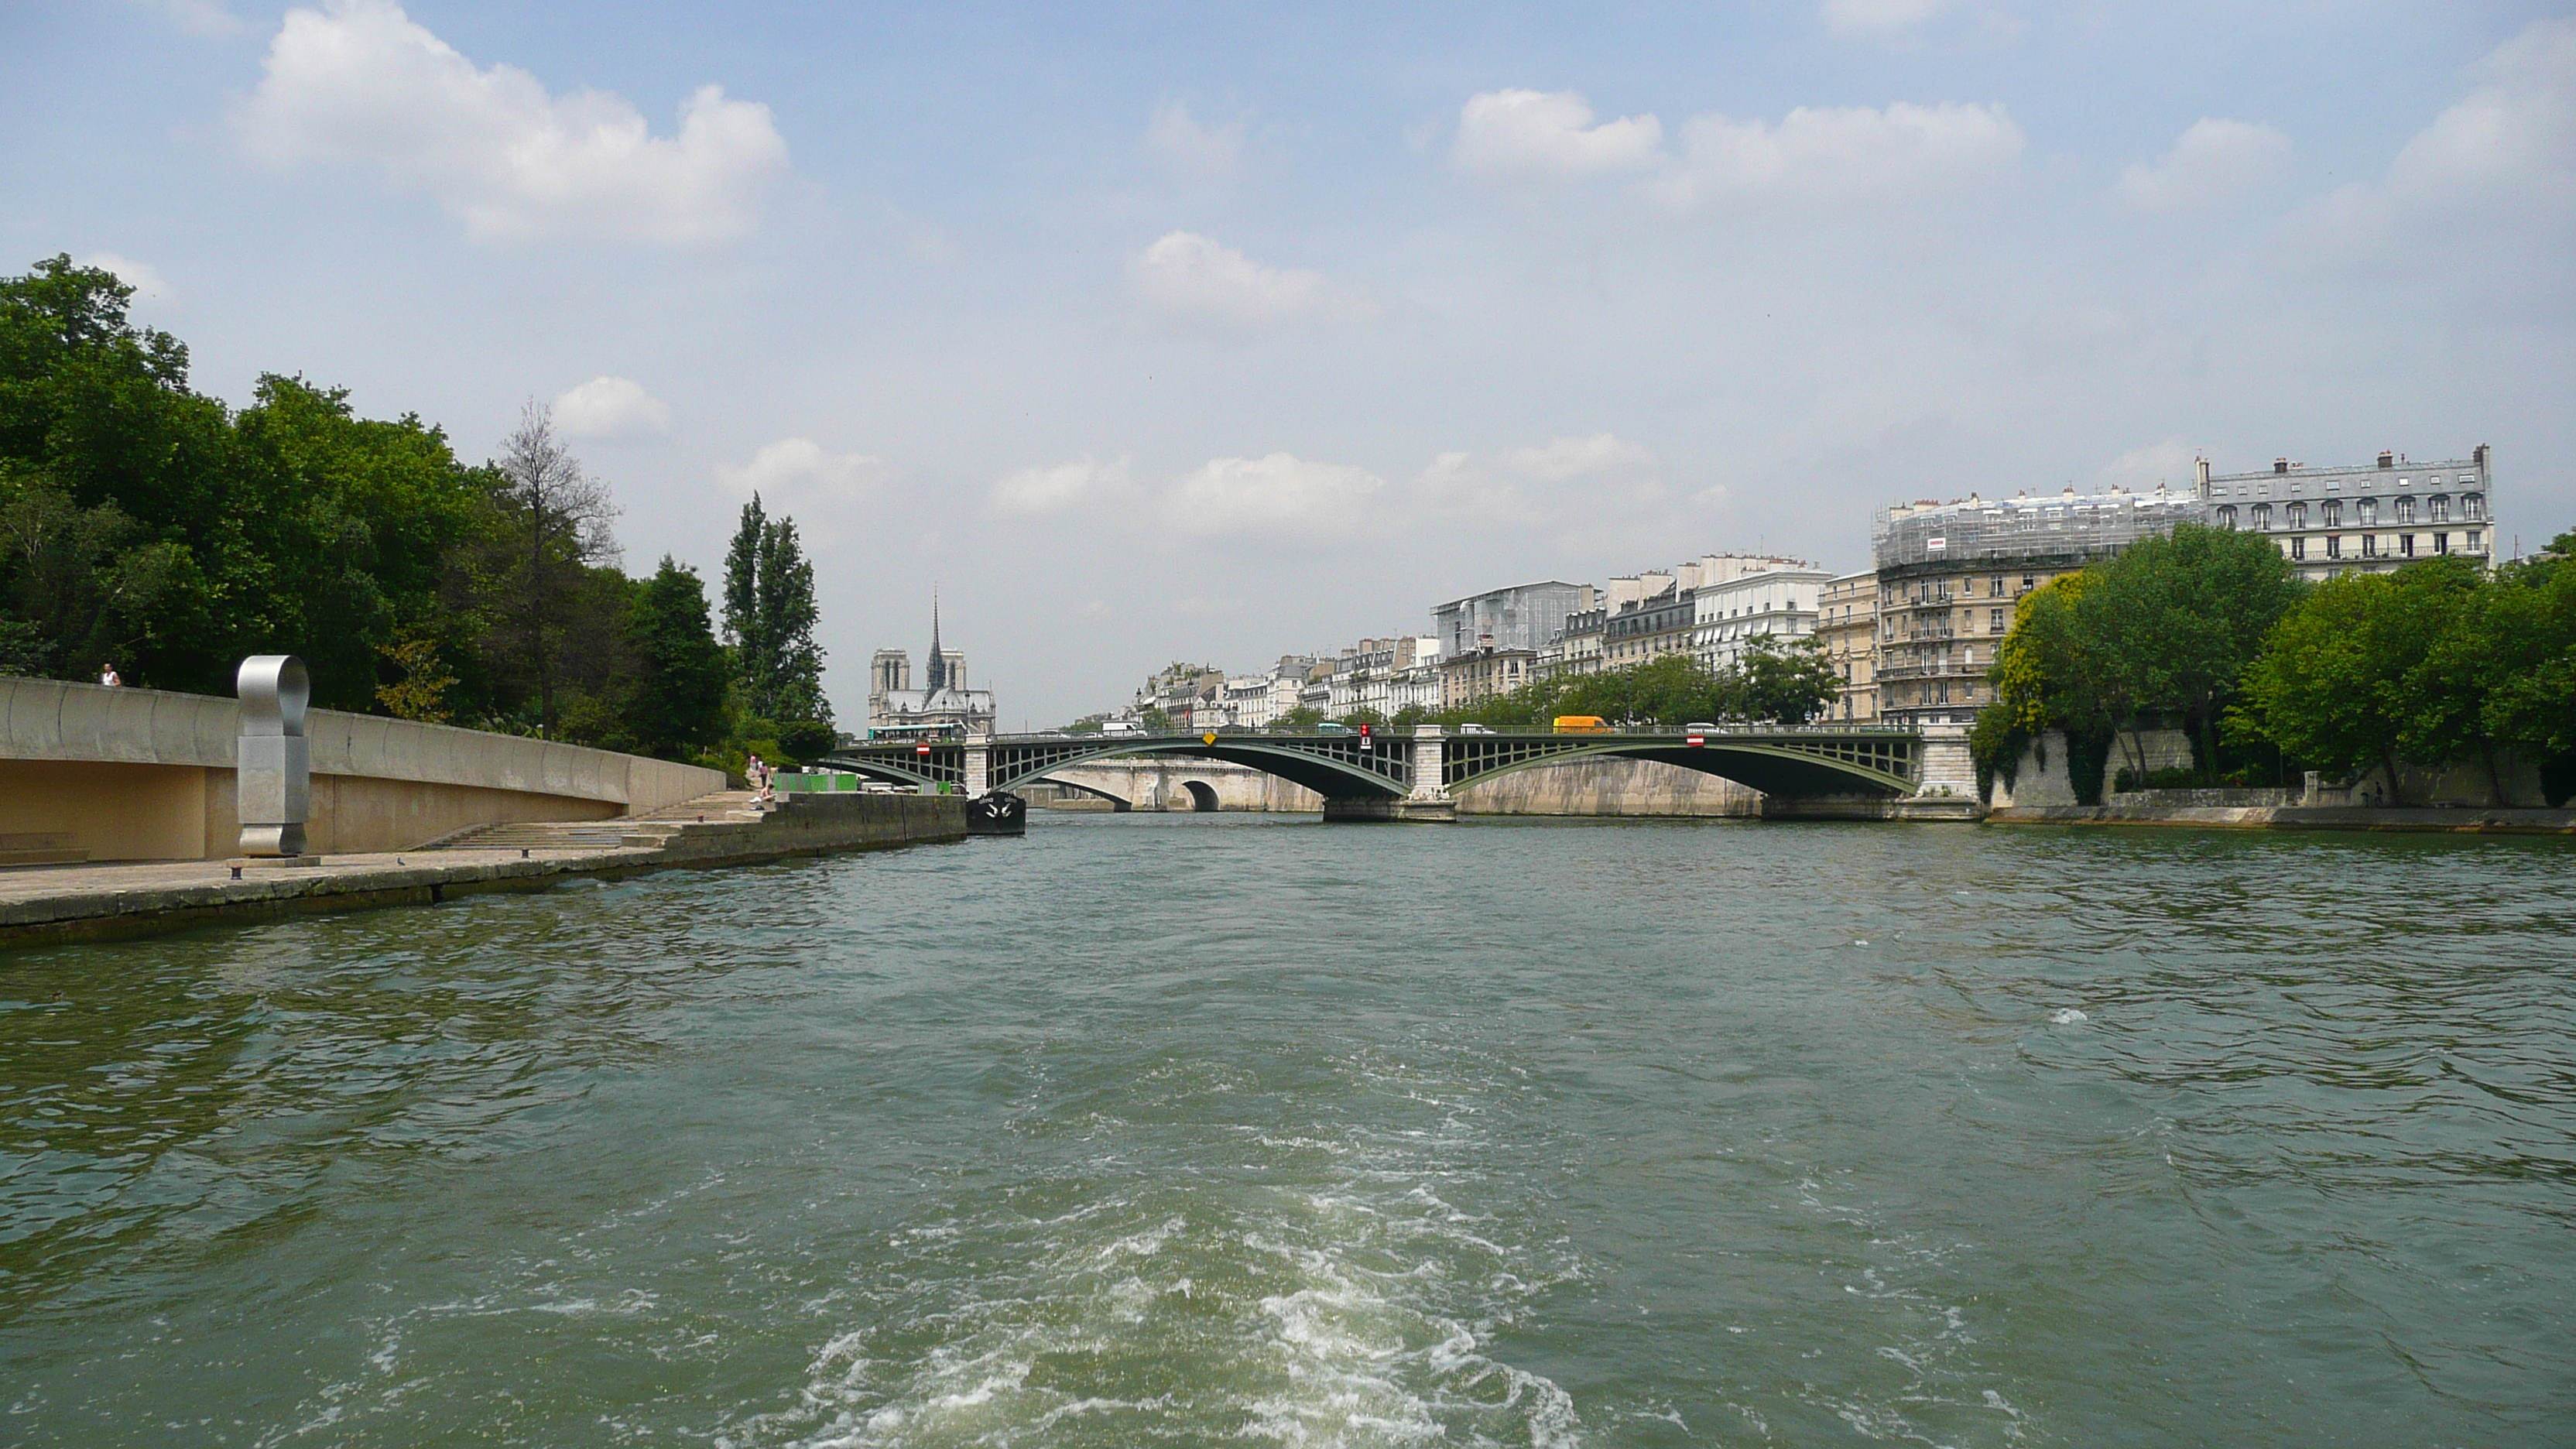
2060	526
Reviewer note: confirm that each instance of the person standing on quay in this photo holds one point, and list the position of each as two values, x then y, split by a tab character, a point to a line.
107	677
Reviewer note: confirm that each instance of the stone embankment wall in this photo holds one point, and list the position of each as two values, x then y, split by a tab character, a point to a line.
2041	783
1608	787
1582	787
143	774
112	902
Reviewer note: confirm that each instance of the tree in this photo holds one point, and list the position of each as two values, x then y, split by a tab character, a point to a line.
677	704
2342	680
770	616
1157	722
1788	683
1303	717
72	594
742	616
2170	625
1365	716
554	524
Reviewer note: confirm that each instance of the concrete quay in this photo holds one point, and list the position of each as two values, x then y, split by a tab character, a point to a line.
54	904
2468	820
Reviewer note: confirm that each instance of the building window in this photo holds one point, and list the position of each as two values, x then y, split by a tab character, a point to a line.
1994	621
2437	508
2227	516
2028	582
2406	544
2298	515
2263	517
2441	543
2370	545
2330	513
2406	512
2366	512
2473	508
2334	545
1995	587
2299	546
2473	537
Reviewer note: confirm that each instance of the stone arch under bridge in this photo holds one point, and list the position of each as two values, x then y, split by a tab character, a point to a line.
1844	770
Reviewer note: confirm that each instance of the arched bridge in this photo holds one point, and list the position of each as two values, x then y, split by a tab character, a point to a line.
1815	769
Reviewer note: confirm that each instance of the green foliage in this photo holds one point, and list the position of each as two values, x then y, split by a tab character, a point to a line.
2432	664
2160	635
1303	717
1365	716
677	706
770	616
1995	743
1155	721
1083	727
1409	716
1787	683
147	526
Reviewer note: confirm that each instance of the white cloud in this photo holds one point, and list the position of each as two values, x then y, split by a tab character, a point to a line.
1209	155
1517	135
1198	284
1281	498
2512	139
1880	17
2171	463
611	408
2493	178
1836	154
2215	162
821	490
198	17
1062	487
146	280
361	83
1537	484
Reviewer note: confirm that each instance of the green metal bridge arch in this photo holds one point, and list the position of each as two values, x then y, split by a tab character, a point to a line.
1793	762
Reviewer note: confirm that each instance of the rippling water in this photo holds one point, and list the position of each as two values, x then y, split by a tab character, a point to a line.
1237	1129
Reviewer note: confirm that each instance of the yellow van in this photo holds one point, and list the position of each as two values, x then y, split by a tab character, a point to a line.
1582	724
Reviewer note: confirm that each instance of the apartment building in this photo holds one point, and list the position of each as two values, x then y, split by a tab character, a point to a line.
2365	518
1847	623
1950	576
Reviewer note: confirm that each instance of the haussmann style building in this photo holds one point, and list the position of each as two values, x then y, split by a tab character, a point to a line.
1951	575
2366	518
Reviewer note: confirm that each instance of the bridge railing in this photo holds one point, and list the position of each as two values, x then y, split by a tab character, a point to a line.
1394	732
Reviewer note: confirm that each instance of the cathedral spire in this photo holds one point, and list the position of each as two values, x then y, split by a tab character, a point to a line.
937	678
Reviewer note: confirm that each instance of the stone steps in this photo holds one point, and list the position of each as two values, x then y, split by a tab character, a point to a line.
722	812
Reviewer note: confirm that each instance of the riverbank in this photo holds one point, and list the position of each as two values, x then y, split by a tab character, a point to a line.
54	904
2446	819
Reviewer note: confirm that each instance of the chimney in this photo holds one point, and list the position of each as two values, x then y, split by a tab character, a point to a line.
2480	455
2202	466
2387	459
2280	465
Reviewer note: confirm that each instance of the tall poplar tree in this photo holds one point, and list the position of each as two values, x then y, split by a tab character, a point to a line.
769	620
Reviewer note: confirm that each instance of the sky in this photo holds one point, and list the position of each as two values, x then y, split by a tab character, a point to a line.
1214	332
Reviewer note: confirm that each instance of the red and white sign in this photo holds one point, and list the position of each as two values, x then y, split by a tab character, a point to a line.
921	749
1695	741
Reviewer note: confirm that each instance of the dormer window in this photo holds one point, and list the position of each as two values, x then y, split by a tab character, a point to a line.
2227	516
2437	509
2473	507
2263	517
2298	515
2366	512
2406	510
2330	513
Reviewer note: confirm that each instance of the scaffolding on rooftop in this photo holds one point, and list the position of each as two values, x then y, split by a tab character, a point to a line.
2056	527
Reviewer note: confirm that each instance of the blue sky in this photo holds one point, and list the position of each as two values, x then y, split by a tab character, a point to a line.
1220	331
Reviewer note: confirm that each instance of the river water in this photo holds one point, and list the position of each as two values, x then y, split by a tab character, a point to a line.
1252	1130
